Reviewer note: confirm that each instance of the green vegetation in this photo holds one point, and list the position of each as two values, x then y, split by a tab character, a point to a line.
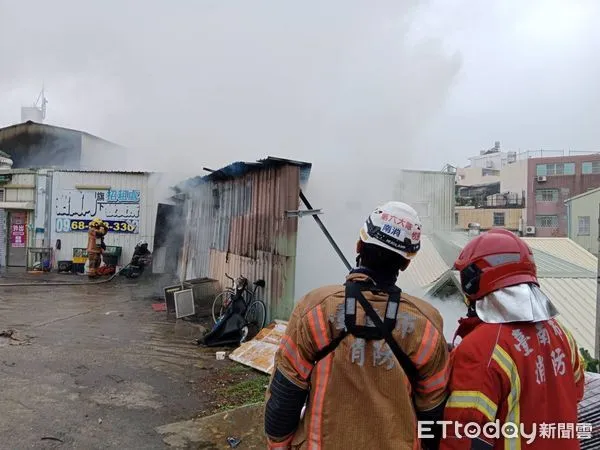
591	364
250	390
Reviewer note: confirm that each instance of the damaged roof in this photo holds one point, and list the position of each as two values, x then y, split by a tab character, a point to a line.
240	168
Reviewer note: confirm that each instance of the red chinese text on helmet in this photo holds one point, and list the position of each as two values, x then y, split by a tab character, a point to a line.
495	260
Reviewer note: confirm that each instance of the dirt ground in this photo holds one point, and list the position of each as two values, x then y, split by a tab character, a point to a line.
94	367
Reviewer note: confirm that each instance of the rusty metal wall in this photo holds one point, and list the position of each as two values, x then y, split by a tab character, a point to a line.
239	227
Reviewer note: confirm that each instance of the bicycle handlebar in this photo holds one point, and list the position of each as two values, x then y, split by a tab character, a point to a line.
231	278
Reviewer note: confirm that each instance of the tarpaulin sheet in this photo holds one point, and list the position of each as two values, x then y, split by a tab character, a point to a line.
259	353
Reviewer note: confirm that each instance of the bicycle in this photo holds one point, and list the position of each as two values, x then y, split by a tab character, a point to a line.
255	312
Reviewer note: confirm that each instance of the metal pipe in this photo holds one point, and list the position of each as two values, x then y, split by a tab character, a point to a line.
67	283
324	230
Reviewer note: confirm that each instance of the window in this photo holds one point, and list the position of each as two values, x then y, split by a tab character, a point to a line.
546	221
546	195
583	228
590	167
555	169
498	219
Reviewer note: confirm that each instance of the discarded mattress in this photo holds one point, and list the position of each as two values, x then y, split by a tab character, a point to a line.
259	353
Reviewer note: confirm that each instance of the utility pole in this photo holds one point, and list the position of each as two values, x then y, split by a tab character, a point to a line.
597	330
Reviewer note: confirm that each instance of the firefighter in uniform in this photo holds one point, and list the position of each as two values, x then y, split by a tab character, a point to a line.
336	383
97	231
515	363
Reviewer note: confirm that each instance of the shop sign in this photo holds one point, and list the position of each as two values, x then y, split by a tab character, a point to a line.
18	230
120	209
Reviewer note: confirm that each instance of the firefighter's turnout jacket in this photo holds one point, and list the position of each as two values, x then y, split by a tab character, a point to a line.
359	395
529	374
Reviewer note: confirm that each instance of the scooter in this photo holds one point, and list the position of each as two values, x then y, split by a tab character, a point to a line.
142	258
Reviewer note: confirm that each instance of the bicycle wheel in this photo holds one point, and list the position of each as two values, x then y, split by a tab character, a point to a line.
220	304
256	314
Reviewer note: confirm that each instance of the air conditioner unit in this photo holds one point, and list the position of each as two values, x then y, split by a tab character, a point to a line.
541	179
529	231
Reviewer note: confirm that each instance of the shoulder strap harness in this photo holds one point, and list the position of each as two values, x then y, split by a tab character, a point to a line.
380	330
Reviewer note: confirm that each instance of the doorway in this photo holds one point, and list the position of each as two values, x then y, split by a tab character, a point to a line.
16	256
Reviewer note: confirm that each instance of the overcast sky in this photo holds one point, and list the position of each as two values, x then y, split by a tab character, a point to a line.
212	81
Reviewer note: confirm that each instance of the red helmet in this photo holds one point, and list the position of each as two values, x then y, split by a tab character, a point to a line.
495	260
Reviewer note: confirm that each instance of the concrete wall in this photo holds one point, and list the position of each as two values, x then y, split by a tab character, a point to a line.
582	216
549	215
471	176
513	177
485	217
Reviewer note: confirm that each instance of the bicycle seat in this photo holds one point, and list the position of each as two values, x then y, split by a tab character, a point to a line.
259	283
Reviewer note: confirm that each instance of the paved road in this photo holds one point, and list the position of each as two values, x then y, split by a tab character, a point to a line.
95	367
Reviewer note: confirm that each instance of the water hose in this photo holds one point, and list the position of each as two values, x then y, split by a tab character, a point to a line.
88	283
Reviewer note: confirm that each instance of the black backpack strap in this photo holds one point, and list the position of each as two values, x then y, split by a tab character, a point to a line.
331	346
353	290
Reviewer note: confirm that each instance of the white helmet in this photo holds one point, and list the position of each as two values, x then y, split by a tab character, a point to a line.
394	226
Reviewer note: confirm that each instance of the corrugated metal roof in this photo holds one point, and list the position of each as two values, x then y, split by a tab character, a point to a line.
589	410
555	257
564	248
240	168
128	172
575	299
425	269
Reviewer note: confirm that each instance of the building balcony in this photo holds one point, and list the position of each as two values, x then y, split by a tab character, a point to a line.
499	201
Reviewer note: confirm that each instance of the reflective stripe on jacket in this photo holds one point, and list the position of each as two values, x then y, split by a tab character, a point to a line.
528	374
359	395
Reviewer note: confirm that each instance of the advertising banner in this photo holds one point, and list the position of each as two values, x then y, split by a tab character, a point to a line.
74	209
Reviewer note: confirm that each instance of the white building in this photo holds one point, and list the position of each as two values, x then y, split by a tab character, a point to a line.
45	214
582	219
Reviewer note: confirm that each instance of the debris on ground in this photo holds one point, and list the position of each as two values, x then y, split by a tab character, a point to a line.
159	307
13	337
215	431
259	353
233	442
52	438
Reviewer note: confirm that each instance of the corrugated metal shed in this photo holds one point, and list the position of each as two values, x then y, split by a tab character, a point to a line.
431	194
589	410
236	223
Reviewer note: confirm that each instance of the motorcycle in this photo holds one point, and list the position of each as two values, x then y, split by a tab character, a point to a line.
142	258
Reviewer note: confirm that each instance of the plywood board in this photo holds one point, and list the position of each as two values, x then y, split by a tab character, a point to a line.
259	353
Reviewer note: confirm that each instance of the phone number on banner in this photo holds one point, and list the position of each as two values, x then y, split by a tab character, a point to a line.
115	226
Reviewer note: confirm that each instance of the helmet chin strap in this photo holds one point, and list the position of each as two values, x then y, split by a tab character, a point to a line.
471	312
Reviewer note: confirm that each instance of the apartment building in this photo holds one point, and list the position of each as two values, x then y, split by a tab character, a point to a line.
550	182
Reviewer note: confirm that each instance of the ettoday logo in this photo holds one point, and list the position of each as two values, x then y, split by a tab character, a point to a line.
508	430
